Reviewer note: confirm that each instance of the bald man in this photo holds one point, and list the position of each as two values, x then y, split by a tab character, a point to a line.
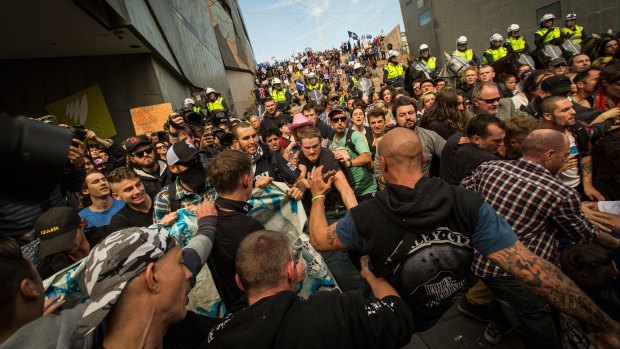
420	233
540	207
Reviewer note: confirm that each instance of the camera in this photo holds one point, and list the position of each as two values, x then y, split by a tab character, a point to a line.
223	137
191	117
78	132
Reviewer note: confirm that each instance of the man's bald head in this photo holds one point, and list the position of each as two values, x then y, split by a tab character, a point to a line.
401	148
540	141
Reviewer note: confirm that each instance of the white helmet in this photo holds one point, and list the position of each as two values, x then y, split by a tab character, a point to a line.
393	53
546	17
461	40
276	81
423	47
571	16
357	66
188	102
513	28
311	75
210	90
496	37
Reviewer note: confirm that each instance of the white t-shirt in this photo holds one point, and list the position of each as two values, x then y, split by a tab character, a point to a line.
571	177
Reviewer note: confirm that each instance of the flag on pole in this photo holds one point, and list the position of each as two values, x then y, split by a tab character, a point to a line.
352	35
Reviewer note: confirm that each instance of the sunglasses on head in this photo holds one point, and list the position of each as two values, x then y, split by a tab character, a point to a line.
337	119
143	153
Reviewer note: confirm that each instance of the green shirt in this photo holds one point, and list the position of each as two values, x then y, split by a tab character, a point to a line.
361	179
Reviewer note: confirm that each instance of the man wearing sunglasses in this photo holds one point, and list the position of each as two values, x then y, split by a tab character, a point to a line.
153	172
558	66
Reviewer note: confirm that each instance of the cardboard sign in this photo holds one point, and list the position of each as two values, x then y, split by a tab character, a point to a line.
150	118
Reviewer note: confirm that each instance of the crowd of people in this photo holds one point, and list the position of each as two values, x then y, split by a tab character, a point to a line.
498	193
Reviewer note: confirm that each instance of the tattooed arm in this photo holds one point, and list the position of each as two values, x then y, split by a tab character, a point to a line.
546	280
322	237
586	178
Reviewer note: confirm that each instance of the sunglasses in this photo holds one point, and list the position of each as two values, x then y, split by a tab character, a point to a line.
561	65
342	118
161	147
143	153
492	100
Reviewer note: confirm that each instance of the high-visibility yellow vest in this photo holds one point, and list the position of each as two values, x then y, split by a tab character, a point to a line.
431	63
555	33
467	54
518	44
197	110
394	70
354	82
497	53
318	86
575	35
217	104
278	96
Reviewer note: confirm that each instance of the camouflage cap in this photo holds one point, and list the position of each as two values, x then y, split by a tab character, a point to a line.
112	264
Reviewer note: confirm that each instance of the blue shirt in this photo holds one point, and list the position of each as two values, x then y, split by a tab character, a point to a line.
99	219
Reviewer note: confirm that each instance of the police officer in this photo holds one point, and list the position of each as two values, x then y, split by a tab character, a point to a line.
464	52
393	72
496	51
190	103
216	105
314	84
427	60
575	32
358	71
547	32
515	42
281	96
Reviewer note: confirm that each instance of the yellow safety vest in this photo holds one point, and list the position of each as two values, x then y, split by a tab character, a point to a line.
431	63
278	96
394	70
575	35
218	104
354	82
497	53
318	86
467	54
197	110
555	33
518	44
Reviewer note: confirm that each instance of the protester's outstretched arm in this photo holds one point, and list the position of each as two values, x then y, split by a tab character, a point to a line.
546	280
322	237
379	286
199	247
346	193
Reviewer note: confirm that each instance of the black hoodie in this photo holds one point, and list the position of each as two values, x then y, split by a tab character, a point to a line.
325	320
419	239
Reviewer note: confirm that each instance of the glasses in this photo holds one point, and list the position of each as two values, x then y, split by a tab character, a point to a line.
561	65
491	101
143	153
342	118
161	147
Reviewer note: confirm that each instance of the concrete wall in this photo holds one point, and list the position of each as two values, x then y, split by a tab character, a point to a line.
127	81
479	19
241	85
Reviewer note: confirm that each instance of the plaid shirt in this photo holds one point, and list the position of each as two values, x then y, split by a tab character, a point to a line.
185	197
534	203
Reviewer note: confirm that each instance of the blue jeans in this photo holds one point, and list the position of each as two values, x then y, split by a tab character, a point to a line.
346	274
529	314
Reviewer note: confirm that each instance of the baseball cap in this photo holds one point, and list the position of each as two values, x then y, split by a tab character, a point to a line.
135	141
557	61
56	228
181	152
557	85
337	110
113	263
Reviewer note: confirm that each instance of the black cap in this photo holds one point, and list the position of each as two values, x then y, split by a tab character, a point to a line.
557	85
181	152
557	61
56	229
136	141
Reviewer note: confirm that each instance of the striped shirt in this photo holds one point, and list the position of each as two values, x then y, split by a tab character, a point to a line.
535	203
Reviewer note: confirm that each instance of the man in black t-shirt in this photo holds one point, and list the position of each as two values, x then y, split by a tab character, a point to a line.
230	174
138	210
271	118
463	153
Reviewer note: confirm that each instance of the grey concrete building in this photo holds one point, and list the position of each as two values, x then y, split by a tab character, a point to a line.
139	53
439	23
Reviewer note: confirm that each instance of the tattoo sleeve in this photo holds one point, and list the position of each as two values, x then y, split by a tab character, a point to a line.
546	280
586	168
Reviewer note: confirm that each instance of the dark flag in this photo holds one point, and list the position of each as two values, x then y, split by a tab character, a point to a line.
352	35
